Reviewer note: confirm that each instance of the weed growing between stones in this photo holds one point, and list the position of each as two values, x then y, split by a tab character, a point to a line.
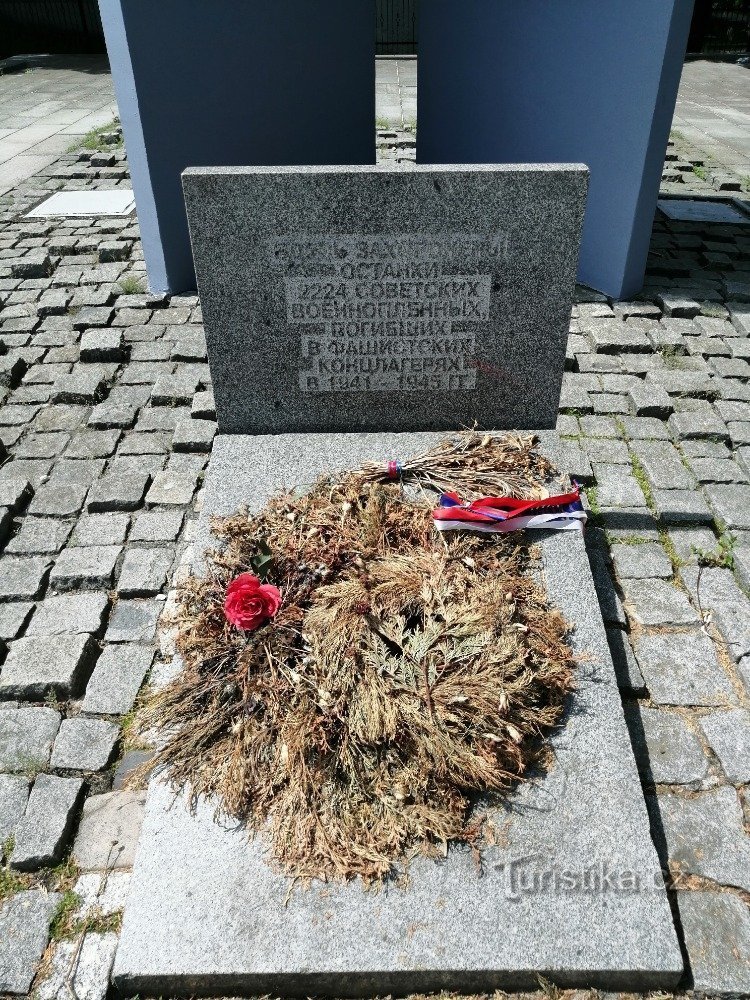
404	674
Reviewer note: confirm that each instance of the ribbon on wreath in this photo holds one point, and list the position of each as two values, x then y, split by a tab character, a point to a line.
563	512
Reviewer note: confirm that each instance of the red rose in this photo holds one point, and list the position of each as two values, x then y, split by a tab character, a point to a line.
249	603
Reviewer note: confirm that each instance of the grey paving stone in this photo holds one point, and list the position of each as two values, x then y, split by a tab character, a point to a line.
616	486
81	472
39	666
701	448
42	834
80	969
24	930
705	835
649	400
194	435
684	383
666	750
108	832
58	499
728	734
681	668
190	347
161	418
144	571
13	617
739	433
717	470
128	465
204	406
600	427
74	614
716	928
741	567
169	390
606	451
93	444
15	493
103	345
641	561
14	794
157	526
610	402
698	425
46	445
183	463
117	491
731	504
151	443
93	316
39	535
89	567
575	397
681	507
572	459
32	470
678	306
663	466
112	415
691	543
84	744
171	490
117	679
629	676
626	524
656	602
22	577
616	337
26	737
101	529
81	386
133	621
729	608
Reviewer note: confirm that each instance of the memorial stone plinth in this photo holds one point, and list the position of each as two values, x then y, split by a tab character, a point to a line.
396	300
377	298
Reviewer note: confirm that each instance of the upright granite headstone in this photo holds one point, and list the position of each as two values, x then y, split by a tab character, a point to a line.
378	298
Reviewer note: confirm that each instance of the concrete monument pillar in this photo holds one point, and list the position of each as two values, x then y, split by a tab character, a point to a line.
229	83
591	81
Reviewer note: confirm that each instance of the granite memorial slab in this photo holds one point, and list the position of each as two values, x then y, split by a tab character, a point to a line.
572	891
379	298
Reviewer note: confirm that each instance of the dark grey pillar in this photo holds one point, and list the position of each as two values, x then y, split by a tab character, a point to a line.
231	83
532	81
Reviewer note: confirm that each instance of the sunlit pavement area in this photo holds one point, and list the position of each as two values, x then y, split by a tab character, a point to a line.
106	423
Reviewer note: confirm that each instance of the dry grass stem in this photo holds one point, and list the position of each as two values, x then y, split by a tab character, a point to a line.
404	674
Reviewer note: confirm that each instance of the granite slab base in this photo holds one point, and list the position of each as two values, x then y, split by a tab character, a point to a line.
574	892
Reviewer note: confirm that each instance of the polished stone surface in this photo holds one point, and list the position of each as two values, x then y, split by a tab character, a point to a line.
378	298
572	893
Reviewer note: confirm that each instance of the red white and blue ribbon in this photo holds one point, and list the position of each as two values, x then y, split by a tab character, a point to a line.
563	512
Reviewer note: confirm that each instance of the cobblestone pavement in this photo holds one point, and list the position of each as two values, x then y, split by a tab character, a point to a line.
713	111
45	106
107	418
396	91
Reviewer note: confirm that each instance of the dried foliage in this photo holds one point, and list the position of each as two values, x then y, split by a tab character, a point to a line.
405	673
475	465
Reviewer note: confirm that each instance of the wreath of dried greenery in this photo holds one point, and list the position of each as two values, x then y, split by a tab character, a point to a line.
405	673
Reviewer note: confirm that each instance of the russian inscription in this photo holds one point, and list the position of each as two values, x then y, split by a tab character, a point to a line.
393	313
